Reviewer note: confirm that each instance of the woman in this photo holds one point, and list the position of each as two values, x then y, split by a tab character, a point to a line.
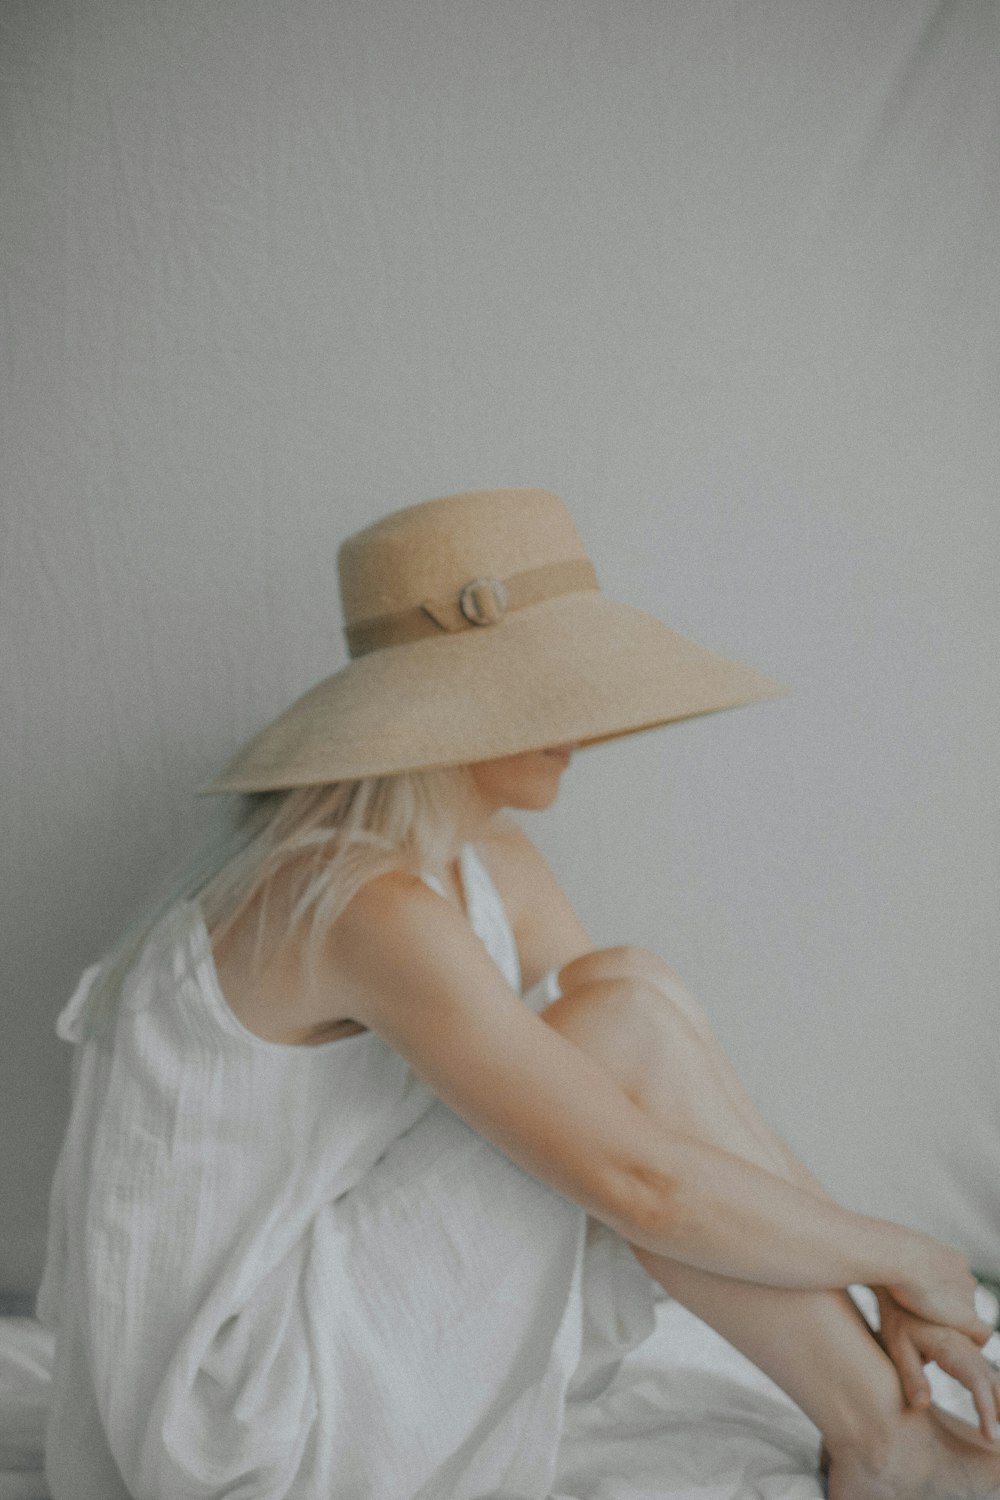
335	1205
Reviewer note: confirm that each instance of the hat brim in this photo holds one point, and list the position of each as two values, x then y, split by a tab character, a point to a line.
578	668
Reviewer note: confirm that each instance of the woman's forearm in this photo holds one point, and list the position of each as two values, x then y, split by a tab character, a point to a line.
723	1214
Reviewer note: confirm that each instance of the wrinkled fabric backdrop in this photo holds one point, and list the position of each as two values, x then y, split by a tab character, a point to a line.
725	277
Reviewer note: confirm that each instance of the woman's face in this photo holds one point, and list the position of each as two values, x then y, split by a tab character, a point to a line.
529	780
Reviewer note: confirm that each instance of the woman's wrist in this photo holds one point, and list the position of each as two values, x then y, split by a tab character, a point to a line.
902	1256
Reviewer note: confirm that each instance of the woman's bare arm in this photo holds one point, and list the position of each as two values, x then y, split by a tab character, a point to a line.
549	934
408	965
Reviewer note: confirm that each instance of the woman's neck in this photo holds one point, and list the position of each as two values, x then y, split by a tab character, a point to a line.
477	821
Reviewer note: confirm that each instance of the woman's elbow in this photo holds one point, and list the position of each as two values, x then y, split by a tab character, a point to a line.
642	1204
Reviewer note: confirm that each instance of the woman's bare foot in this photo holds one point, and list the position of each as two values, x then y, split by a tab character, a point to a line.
930	1455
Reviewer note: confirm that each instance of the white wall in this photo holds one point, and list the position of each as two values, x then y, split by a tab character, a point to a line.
724	276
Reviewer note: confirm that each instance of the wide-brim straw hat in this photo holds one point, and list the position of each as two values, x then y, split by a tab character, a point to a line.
476	629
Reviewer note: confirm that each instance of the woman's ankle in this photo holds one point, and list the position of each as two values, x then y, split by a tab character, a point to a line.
867	1436
930	1454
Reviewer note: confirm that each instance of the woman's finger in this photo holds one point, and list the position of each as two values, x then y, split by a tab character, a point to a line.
975	1329
964	1363
910	1366
986	1407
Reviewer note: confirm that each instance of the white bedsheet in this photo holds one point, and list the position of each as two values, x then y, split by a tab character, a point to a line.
687	1417
25	1364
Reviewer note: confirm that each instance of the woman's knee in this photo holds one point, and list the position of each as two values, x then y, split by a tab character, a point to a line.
623	960
625	1022
629	961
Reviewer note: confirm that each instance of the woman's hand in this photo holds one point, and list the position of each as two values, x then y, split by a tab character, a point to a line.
942	1289
912	1342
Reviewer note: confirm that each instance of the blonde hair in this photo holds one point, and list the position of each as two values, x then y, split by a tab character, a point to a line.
327	840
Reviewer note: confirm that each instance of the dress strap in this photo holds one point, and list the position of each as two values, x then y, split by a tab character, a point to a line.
488	915
486	911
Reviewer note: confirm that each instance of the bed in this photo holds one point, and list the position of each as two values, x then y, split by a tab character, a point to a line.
686	1417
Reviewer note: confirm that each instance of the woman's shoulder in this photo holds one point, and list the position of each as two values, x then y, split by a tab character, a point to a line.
274	999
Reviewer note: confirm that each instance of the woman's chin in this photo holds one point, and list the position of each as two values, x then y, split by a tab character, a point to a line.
535	799
530	781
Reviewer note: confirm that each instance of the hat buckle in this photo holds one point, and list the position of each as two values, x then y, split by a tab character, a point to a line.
483	601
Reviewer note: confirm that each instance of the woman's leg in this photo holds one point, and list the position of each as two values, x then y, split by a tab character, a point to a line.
815	1345
631	961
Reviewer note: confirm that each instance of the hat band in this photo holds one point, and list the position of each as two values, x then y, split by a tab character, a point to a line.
483	601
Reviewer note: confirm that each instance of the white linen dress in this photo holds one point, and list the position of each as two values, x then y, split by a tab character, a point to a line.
282	1272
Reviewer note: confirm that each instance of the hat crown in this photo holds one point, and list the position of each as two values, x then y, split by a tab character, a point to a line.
433	549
